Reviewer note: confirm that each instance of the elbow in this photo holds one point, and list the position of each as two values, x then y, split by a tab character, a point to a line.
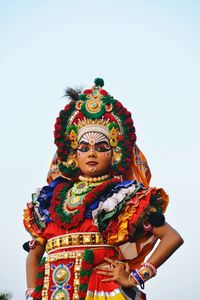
175	236
169	235
180	240
177	240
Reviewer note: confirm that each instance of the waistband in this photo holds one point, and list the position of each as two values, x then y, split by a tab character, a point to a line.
81	239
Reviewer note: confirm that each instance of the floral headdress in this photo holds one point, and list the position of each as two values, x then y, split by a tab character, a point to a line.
94	110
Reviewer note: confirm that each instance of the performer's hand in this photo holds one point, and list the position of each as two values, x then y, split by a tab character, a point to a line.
116	272
28	293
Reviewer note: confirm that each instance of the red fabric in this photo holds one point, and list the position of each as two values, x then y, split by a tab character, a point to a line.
96	284
53	230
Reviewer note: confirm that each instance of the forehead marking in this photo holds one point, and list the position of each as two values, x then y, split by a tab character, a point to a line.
94	137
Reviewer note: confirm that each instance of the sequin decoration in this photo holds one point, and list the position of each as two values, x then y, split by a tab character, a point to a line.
60	294
72	202
93	106
61	274
75	196
80	188
61	277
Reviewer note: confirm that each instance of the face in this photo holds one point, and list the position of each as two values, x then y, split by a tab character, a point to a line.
94	154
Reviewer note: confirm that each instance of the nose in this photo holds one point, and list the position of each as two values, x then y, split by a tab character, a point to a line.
92	152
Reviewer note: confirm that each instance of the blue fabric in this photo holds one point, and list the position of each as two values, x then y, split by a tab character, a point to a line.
46	193
45	197
115	189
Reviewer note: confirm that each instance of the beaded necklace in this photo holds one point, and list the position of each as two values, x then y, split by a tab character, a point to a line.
94	179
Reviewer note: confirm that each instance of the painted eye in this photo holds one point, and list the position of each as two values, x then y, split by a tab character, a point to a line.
84	149
102	149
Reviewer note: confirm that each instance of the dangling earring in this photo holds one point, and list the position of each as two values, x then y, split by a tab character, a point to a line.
72	163
73	139
70	168
113	137
117	154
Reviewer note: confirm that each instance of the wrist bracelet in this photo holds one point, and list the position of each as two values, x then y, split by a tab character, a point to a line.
129	279
144	273
150	267
138	278
28	293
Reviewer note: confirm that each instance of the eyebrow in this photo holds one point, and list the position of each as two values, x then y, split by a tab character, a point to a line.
99	143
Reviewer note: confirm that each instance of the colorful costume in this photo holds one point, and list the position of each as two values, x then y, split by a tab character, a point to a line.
82	221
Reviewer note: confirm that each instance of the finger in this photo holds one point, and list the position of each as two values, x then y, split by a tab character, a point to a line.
127	268
106	268
111	261
105	273
110	270
107	280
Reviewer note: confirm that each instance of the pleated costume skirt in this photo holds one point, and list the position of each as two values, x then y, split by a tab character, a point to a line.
71	275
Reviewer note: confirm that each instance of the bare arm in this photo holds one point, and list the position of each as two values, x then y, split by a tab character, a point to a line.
170	241
32	263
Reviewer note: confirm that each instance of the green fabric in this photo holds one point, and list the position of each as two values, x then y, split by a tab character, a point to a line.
104	217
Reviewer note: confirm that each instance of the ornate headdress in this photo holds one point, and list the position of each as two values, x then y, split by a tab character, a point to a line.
94	110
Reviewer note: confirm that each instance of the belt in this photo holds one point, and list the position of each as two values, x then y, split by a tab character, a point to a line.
76	239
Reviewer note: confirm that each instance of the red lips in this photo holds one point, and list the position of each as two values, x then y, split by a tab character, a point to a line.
92	163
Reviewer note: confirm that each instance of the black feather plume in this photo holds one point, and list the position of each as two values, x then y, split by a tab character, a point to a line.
73	94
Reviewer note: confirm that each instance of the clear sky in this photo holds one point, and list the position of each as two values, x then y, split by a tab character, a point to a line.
148	53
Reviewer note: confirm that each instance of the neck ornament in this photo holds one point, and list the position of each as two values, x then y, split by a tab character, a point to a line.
94	179
80	188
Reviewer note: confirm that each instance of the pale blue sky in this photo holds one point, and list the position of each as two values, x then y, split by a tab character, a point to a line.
148	54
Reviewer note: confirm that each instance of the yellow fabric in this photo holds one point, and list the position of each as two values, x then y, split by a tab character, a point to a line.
115	295
123	218
29	225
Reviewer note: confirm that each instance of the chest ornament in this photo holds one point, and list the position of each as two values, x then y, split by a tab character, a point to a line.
69	203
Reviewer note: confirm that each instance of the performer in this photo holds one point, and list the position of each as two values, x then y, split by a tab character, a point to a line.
98	218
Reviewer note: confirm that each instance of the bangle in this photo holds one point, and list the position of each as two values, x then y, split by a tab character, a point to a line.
147	226
150	267
129	279
32	244
145	273
28	293
138	278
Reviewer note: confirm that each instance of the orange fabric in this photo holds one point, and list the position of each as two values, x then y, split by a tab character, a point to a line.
139	170
53	170
143	246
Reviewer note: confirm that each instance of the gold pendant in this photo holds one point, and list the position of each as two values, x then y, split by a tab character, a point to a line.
72	202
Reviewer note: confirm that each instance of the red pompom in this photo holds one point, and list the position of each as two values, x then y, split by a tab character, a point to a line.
118	105
87	92
57	126
128	121
60	145
120	138
104	93
57	135
67	107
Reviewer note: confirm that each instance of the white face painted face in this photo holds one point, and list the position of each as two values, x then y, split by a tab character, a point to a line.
94	154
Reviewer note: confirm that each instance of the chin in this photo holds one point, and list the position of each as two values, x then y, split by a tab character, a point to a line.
94	174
